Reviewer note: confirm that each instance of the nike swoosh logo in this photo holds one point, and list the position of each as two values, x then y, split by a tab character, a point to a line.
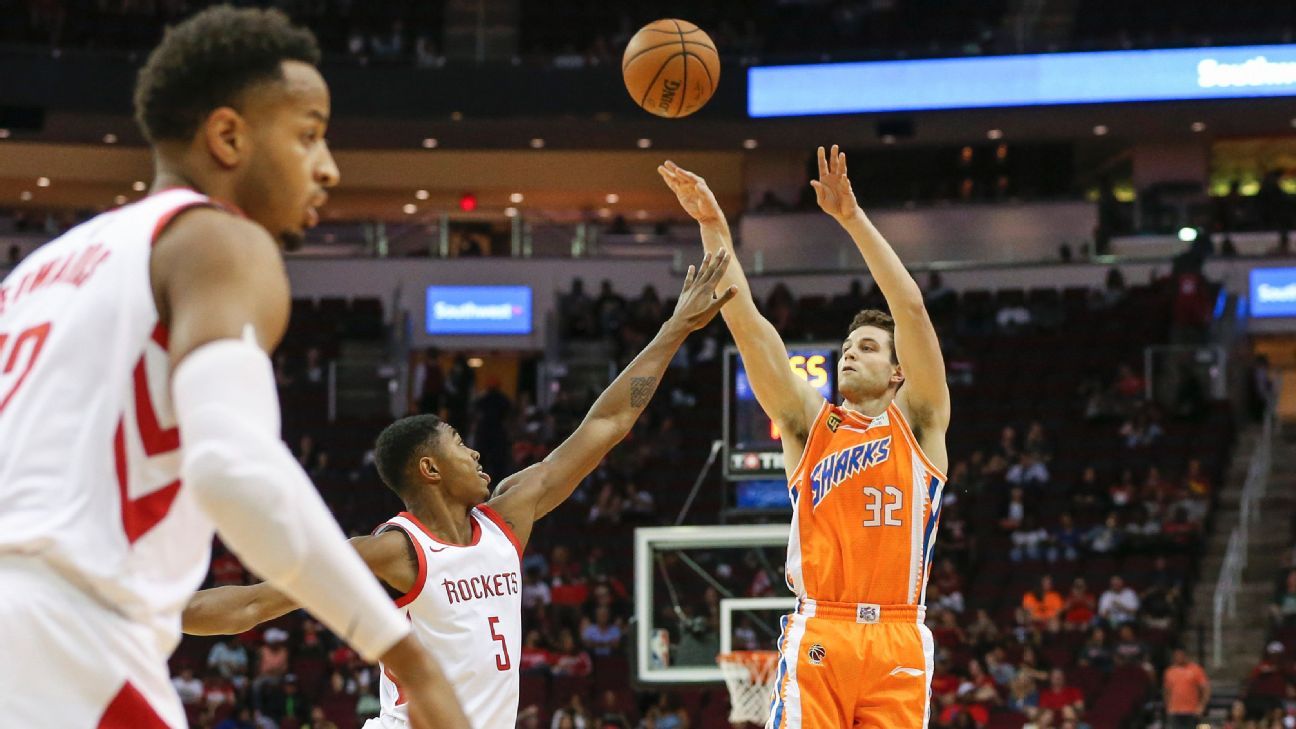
910	672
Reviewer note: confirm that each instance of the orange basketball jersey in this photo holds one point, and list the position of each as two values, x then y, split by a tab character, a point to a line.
865	506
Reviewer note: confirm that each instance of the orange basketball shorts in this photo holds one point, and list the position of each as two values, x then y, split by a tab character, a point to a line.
852	665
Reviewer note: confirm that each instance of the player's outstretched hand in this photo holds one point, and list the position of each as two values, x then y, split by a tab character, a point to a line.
833	188
432	702
698	302
694	195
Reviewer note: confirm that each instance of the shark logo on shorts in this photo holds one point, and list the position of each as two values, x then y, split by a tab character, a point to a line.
838	466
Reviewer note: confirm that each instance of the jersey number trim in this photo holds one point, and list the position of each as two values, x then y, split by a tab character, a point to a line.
37	335
883	505
502	662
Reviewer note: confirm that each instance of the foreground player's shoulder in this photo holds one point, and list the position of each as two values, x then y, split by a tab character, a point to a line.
216	272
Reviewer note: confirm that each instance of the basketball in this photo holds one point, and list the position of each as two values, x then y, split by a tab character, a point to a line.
671	68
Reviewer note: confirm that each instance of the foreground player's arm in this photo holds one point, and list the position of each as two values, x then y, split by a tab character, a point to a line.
925	391
535	491
787	399
235	609
221	290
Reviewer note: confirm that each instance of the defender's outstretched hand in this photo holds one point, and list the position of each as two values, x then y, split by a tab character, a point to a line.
694	195
698	302
833	188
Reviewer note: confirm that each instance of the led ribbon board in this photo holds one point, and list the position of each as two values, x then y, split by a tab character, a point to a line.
1236	72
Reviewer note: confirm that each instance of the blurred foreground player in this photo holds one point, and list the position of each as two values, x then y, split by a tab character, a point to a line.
453	557
138	408
865	480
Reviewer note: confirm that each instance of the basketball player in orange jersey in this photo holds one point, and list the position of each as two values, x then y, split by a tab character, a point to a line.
138	413
452	558
864	477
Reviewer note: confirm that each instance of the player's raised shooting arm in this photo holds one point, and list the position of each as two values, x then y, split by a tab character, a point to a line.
788	400
234	609
535	491
916	344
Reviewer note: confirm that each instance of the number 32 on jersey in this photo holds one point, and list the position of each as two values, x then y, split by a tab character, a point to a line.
883	506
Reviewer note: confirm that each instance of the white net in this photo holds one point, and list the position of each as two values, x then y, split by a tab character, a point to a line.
750	678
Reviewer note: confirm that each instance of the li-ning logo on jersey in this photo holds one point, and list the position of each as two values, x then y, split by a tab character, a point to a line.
838	466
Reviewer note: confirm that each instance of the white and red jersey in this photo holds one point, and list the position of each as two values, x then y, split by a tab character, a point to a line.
89	449
466	607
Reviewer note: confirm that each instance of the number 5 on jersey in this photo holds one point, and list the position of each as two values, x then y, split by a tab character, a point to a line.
883	506
502	662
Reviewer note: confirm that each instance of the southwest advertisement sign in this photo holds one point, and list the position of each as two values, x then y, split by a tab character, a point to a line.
479	310
1236	72
1273	292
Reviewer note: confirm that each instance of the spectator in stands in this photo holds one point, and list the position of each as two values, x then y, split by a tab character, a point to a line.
428	388
1027	471
1119	604
489	430
1186	692
1162	597
1237	716
1064	540
1129	650
1023	697
1128	385
1283	609
1122	493
1080	607
535	657
1028	541
1015	512
189	687
979	688
1105	538
1094	652
609	310
983	631
1088	490
535	591
1059	694
1000	669
1041	604
316	369
461	383
230	660
570	659
318	720
602	635
240	720
1260	388
607	507
947	632
1141	430
1008	447
272	663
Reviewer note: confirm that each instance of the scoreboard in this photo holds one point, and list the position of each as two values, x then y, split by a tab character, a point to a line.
753	448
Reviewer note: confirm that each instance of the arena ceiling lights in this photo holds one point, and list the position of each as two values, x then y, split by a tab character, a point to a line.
1020	81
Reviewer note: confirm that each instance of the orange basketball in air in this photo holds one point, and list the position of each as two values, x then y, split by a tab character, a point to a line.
671	68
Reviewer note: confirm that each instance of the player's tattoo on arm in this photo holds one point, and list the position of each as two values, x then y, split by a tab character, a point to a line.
641	390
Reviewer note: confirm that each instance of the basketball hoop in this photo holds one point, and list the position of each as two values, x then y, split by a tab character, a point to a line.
750	678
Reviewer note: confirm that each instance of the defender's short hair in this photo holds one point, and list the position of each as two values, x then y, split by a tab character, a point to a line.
881	320
399	444
208	61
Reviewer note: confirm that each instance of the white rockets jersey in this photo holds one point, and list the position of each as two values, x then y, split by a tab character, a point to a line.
89	449
466	607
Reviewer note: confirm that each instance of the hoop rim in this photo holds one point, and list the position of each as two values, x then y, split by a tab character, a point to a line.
746	657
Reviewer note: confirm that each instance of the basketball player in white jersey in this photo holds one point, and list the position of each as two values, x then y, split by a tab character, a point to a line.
452	559
138	413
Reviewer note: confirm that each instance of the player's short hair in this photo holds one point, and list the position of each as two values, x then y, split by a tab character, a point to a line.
209	61
881	320
398	445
